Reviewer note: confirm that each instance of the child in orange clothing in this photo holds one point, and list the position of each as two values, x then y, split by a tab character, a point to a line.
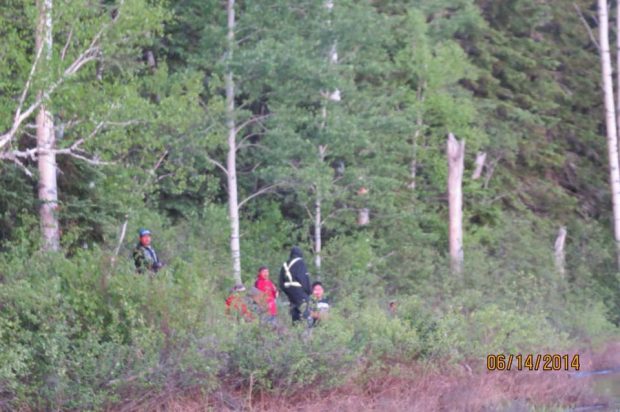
236	305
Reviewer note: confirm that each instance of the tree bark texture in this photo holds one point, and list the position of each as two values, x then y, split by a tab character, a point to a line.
46	142
456	156
231	160
559	251
610	122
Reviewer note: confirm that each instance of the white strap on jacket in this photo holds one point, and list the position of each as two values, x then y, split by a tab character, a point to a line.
288	274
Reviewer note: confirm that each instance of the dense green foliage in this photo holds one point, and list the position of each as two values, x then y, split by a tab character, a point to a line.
517	79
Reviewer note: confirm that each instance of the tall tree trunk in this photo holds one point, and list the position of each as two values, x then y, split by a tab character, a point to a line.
334	96
46	142
610	122
617	68
456	156
318	219
231	161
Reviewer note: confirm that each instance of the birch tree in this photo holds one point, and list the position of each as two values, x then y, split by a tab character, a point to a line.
610	121
57	79
231	159
456	156
46	141
333	96
237	138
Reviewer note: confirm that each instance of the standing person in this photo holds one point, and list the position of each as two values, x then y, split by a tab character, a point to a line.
144	255
319	306
294	281
268	293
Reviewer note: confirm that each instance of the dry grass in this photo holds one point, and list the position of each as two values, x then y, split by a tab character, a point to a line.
406	387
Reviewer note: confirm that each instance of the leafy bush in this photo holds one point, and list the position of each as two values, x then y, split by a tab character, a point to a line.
492	329
289	359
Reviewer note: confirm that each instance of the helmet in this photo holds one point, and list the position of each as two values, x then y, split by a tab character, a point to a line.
144	232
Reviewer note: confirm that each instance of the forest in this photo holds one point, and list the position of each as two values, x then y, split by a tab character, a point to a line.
234	130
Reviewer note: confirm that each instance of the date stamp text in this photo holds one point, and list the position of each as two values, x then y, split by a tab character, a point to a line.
533	362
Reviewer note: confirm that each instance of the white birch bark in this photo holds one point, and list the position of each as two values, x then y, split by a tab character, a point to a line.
559	251
617	70
46	142
334	97
456	156
610	121
231	161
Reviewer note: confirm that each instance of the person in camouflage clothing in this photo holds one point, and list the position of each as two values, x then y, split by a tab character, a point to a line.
144	255
318	306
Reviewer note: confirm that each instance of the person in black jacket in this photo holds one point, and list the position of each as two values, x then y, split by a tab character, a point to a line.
294	281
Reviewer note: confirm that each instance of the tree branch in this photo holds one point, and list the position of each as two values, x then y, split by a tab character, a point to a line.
218	164
122	237
310	215
251	120
86	56
64	49
335	212
587	26
15	159
22	98
261	191
257	145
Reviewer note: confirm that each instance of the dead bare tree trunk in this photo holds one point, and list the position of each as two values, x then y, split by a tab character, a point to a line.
481	157
559	251
46	142
456	156
231	160
610	121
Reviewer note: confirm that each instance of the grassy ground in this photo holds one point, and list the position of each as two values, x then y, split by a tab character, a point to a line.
415	386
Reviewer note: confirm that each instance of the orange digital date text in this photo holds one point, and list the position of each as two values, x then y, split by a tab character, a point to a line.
533	362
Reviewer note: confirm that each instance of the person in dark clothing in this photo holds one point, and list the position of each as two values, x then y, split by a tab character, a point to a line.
144	255
294	281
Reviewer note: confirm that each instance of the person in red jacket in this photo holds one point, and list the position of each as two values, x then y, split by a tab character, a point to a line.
268	293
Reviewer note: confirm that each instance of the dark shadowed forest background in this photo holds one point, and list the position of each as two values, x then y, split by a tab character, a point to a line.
335	116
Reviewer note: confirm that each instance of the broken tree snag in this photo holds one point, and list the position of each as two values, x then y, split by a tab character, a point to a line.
559	251
456	156
363	214
481	157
